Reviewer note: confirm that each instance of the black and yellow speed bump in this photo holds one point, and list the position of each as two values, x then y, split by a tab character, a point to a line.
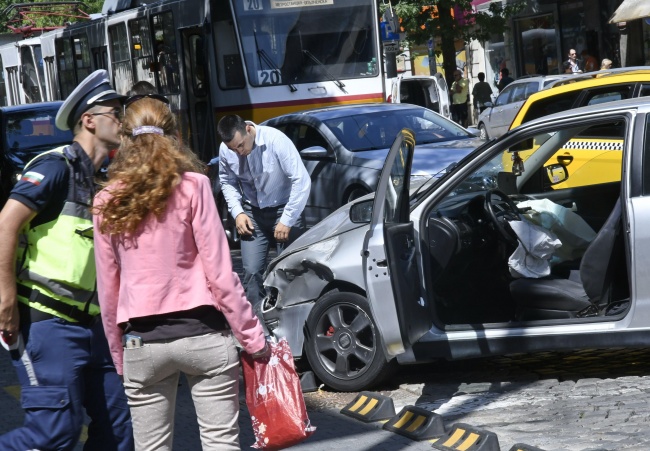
524	447
463	437
369	407
416	423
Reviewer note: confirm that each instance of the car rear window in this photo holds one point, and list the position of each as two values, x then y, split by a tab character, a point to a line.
550	105
28	133
609	94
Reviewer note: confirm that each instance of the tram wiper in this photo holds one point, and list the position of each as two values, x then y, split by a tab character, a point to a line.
329	75
267	59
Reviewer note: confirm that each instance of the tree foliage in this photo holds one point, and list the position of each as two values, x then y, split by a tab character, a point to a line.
451	21
52	13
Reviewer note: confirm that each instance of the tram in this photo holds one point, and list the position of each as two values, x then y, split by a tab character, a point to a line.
255	58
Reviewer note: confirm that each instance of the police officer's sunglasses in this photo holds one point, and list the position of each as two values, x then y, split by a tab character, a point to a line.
135	98
116	112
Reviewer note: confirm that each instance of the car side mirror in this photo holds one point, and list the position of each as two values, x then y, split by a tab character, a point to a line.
488	104
315	153
556	173
361	212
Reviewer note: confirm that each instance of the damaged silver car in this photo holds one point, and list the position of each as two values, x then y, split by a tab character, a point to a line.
411	275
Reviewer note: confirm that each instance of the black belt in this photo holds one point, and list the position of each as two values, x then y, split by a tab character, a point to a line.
58	306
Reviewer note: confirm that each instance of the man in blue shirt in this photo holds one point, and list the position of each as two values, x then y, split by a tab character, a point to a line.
266	187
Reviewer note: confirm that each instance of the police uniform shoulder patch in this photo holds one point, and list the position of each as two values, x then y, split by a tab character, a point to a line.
32	177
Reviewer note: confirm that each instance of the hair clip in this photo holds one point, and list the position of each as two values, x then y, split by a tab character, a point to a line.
143	129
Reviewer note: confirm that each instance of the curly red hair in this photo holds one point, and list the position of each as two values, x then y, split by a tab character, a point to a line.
146	169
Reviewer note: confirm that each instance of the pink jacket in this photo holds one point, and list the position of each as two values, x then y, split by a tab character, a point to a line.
178	263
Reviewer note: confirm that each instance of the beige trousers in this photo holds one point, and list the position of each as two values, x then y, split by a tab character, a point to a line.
210	364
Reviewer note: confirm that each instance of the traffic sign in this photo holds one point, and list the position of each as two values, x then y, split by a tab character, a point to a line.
391	46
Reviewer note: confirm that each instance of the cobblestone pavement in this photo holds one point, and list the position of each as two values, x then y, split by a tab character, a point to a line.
591	400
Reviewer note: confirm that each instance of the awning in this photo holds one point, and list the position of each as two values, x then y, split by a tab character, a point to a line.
631	10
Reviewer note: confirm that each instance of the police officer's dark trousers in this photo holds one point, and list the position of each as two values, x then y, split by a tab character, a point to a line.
65	370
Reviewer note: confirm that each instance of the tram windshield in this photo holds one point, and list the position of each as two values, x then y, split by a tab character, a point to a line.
302	41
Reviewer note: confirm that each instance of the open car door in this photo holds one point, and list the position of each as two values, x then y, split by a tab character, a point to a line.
389	255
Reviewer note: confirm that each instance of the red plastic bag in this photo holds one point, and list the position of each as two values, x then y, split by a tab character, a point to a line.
274	399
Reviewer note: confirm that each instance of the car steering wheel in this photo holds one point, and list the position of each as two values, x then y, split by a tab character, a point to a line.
501	209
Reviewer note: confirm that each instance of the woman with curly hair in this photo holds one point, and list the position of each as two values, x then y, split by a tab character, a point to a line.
168	294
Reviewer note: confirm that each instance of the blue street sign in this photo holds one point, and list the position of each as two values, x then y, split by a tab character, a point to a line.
385	35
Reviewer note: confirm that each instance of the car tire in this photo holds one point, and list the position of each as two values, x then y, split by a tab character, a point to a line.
343	344
483	131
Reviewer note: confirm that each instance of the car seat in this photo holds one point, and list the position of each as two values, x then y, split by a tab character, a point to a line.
602	280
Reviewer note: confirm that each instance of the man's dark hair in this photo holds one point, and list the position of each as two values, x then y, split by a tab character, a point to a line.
481	76
229	125
505	71
142	88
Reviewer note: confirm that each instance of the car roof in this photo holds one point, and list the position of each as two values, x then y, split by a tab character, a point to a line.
31	106
540	78
337	111
608	107
574	78
613	79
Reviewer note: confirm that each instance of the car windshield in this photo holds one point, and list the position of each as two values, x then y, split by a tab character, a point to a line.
378	130
28	133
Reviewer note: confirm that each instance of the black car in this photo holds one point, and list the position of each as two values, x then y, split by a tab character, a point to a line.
27	130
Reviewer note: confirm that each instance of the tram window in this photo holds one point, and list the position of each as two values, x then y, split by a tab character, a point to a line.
196	63
120	57
65	60
311	44
229	62
143	63
166	54
81	56
29	76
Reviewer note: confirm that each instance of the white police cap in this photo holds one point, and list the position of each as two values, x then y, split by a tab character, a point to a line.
93	90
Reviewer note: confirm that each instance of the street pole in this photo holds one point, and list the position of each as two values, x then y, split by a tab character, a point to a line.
432	58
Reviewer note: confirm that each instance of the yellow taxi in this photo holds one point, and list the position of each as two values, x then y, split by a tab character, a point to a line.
587	159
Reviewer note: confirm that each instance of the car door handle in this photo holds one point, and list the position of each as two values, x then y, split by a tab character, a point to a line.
564	159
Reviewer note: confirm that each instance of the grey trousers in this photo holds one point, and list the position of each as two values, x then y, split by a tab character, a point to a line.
211	366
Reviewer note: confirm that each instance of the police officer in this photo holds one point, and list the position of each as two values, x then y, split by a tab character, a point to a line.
48	300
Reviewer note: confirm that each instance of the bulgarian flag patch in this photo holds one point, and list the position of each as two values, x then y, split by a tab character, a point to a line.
32	177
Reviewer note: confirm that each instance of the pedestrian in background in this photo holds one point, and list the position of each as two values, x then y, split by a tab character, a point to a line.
481	93
142	87
266	186
504	79
574	62
606	64
166	284
459	98
589	62
47	286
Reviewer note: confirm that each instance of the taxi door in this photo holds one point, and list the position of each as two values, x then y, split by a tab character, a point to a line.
390	256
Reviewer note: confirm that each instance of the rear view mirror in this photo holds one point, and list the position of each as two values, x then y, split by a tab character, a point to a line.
556	173
521	146
314	153
361	212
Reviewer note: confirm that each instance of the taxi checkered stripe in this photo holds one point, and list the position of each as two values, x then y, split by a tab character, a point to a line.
591	145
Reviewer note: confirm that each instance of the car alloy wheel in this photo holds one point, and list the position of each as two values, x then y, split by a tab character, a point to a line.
343	344
483	131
